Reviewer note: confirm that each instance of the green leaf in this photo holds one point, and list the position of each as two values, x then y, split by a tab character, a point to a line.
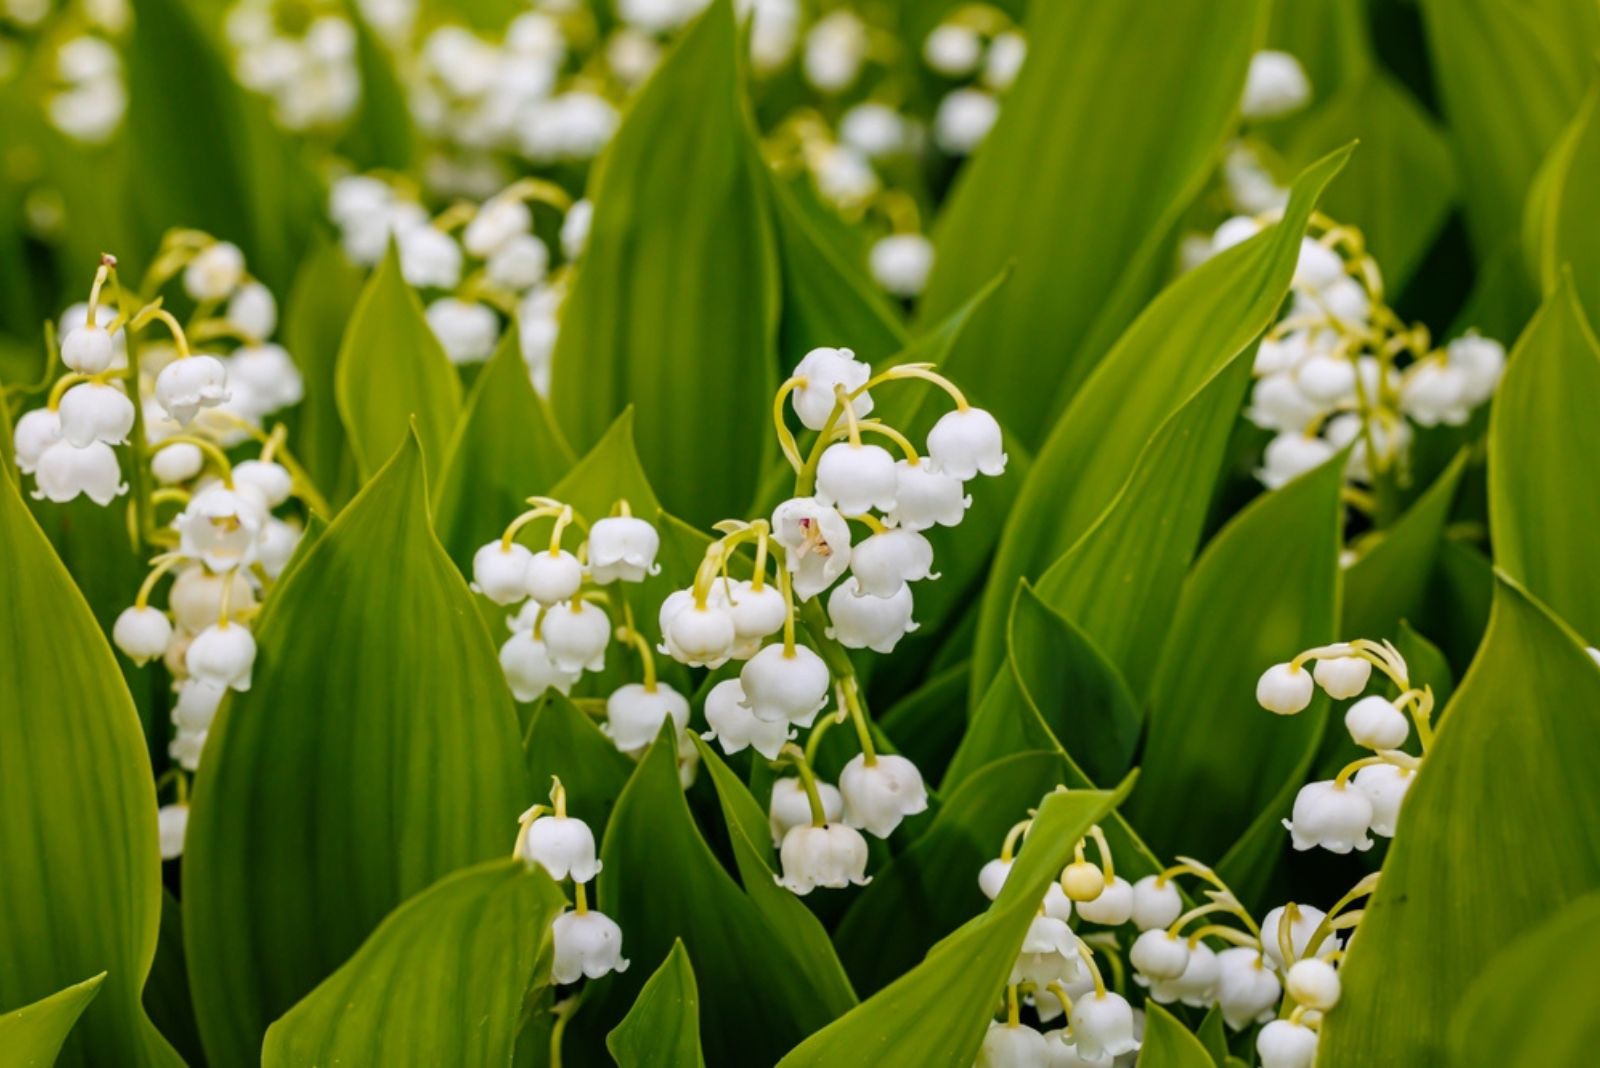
442	980
1166	1043
1544	490
166	992
326	289
562	741
1388	580
1266	588
380	134
1534	1004
506	447
34	1034
673	309
1492	840
1216	311
927	723
936	1013
78	828
391	371
376	751
662	1030
1112	128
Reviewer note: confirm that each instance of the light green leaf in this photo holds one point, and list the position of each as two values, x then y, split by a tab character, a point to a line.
673	309
1215	311
78	829
1544	488
1166	1043
1492	840
391	370
1534	1004
376	751
562	741
662	1030
1266	588
506	448
936	1013
34	1034
1111	130
326	289
442	980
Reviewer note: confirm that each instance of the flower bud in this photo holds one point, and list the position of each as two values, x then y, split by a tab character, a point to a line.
1082	881
790	807
1375	723
901	264
833	857
953	50
623	549
562	846
1103	1025
587	944
965	442
780	686
1276	85
1286	1044
576	635
223	653
529	670
500	572
1156	903
757	614
185	386
823	369
885	562
992	877
635	713
1284	689
1342	676
1314	983
177	463
467	331
856	478
64	471
553	576
172	823
253	311
963	119
141	633
268	480
214	272
87	349
93	412
1331	815
734	726
1160	954
861	621
1113	907
879	795
1384	786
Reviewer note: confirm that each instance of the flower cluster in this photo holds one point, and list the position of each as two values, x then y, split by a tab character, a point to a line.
494	268
76	62
303	60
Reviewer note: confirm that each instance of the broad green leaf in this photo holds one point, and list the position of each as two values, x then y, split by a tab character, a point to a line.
375	751
936	879
1213	1037
562	741
662	883
166	992
1388	579
1401	185
1456	610
1534	1003
1166	1043
927	723
608	472
506	448
1508	86
391	371
78	828
1215	311
1080	177
1544	488
936	1013
34	1034
1492	840
326	289
662	1030
442	980
673	309
1266	588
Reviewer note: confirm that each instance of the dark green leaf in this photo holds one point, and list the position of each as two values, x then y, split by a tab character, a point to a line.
326	289
1168	1044
166	992
562	741
662	1030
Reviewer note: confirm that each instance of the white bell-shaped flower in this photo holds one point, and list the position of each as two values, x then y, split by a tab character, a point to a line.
699	635
790	807
1003	63
862	621
553	576
963	119
498	220
635	713
879	795
1114	906
1159	954
1342	676
1385	787
1007	1046
223	653
562	846
872	129
1435	392
529	670
1481	361
823	369
1057	903
1332	815
757	614
185	386
186	747
992	877
467	330
816	542
141	633
576	635
925	497
1276	403
1275	85
214	272
172	823
901	264
1286	1044
1305	924
253	311
1285	689
882	563
967	441
780	686
1061	1050
623	549
519	264
1197	985
1318	266
1156	903
197	704
177	463
1375	723
1049	953
1314	983
276	545
1290	455
833	857
1276	355
1247	989
429	258
87	348
219	527
196	597
64	471
1103	1023
500	571
856	479
587	945
734	726
268	375
35	432
269	481
1326	379
575	229
93	412
953	49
